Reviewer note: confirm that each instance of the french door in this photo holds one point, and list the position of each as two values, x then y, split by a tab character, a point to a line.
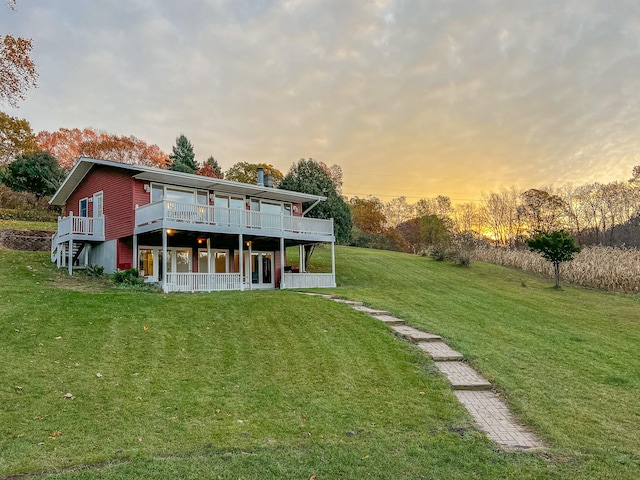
259	269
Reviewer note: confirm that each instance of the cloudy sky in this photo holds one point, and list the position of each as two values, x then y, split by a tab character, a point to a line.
410	97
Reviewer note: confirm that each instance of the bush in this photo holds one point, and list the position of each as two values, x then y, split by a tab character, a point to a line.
455	255
438	253
127	277
25	206
96	271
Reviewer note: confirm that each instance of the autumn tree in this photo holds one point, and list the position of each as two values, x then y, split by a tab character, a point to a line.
17	71
16	138
540	210
308	176
68	145
182	158
410	232
211	168
556	247
367	214
246	172
500	216
397	211
36	172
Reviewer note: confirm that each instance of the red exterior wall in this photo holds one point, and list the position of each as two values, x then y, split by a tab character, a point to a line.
296	209
118	187
140	197
125	254
277	269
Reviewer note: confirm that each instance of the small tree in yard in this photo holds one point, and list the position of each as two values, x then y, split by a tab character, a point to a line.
557	247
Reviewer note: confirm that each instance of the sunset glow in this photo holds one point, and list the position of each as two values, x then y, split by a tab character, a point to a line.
409	98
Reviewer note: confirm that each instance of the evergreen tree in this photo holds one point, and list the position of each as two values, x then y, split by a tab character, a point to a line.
211	168
183	158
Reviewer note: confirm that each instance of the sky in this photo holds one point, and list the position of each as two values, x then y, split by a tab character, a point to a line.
410	97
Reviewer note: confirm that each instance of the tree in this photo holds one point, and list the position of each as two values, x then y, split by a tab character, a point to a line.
398	211
540	210
556	247
36	172
433	231
16	138
17	70
367	214
246	172
183	158
68	145
211	168
309	176
410	233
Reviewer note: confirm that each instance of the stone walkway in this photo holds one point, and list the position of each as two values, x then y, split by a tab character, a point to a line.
472	390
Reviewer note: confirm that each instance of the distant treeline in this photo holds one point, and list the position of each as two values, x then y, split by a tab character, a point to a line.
595	214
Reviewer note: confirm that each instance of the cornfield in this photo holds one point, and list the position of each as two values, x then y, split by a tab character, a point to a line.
607	268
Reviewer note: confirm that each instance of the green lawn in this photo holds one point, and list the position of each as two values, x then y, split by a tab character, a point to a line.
27	225
280	385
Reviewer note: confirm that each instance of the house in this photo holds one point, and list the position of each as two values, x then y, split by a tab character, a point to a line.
186	232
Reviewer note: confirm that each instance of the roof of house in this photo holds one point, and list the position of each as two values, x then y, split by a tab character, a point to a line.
151	174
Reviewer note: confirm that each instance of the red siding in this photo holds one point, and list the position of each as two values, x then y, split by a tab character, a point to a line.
125	254
140	197
277	269
296	209
118	187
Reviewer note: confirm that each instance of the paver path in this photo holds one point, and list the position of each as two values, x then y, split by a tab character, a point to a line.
472	390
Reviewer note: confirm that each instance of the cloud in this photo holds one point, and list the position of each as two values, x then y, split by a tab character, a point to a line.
437	97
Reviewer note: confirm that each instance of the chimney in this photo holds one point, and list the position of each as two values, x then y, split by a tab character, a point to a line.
268	180
260	177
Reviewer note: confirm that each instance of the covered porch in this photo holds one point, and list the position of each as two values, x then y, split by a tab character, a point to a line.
188	261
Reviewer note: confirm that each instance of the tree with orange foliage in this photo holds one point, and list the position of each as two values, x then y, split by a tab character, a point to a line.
68	145
17	70
211	168
130	150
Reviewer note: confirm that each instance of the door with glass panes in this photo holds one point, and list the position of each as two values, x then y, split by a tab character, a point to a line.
259	269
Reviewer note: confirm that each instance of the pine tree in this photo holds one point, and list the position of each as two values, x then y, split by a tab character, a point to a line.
183	158
211	168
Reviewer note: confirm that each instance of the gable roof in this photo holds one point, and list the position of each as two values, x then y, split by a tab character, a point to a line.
169	177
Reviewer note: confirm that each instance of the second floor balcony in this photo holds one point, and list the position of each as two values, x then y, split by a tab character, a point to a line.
207	218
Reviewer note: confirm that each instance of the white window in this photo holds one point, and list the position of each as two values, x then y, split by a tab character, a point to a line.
184	195
98	205
83	207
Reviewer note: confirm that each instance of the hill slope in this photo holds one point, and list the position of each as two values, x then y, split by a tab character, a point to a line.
280	385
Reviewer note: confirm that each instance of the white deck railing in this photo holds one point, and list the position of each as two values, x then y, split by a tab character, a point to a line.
202	282
193	213
73	225
309	280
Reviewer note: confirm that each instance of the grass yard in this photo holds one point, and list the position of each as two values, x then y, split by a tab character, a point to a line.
280	385
27	225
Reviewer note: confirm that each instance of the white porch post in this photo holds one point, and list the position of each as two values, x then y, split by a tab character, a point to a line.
301	258
209	269
250	268
71	256
164	260
241	261
86	254
333	262
282	283
134	261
